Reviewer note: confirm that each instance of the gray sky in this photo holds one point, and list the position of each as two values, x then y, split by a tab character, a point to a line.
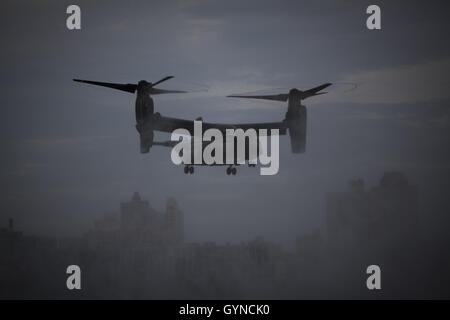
70	152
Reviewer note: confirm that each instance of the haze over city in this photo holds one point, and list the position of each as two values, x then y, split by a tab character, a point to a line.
71	152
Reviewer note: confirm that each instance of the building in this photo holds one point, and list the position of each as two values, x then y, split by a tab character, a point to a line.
138	225
384	214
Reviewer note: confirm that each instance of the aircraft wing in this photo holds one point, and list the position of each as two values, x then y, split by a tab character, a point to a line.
275	97
167	124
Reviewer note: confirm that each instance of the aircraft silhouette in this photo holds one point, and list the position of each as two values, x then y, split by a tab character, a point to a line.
148	121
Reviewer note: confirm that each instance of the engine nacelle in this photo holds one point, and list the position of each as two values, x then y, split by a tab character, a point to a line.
296	123
146	142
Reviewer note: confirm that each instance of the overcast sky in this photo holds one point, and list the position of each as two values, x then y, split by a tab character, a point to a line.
70	152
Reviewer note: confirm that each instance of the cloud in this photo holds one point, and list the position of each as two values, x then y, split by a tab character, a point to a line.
411	119
64	142
428	81
205	22
22	170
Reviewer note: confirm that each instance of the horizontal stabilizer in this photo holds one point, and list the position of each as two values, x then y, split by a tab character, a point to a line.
165	143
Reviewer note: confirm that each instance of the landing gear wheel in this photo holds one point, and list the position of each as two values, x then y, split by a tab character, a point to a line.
228	170
186	169
191	170
233	171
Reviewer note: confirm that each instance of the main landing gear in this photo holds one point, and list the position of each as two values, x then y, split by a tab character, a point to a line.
231	170
188	169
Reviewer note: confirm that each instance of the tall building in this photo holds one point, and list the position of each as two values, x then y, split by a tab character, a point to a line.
138	225
174	222
382	215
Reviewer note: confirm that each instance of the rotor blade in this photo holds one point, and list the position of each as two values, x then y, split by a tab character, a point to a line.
162	80
317	89
162	91
128	87
275	97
